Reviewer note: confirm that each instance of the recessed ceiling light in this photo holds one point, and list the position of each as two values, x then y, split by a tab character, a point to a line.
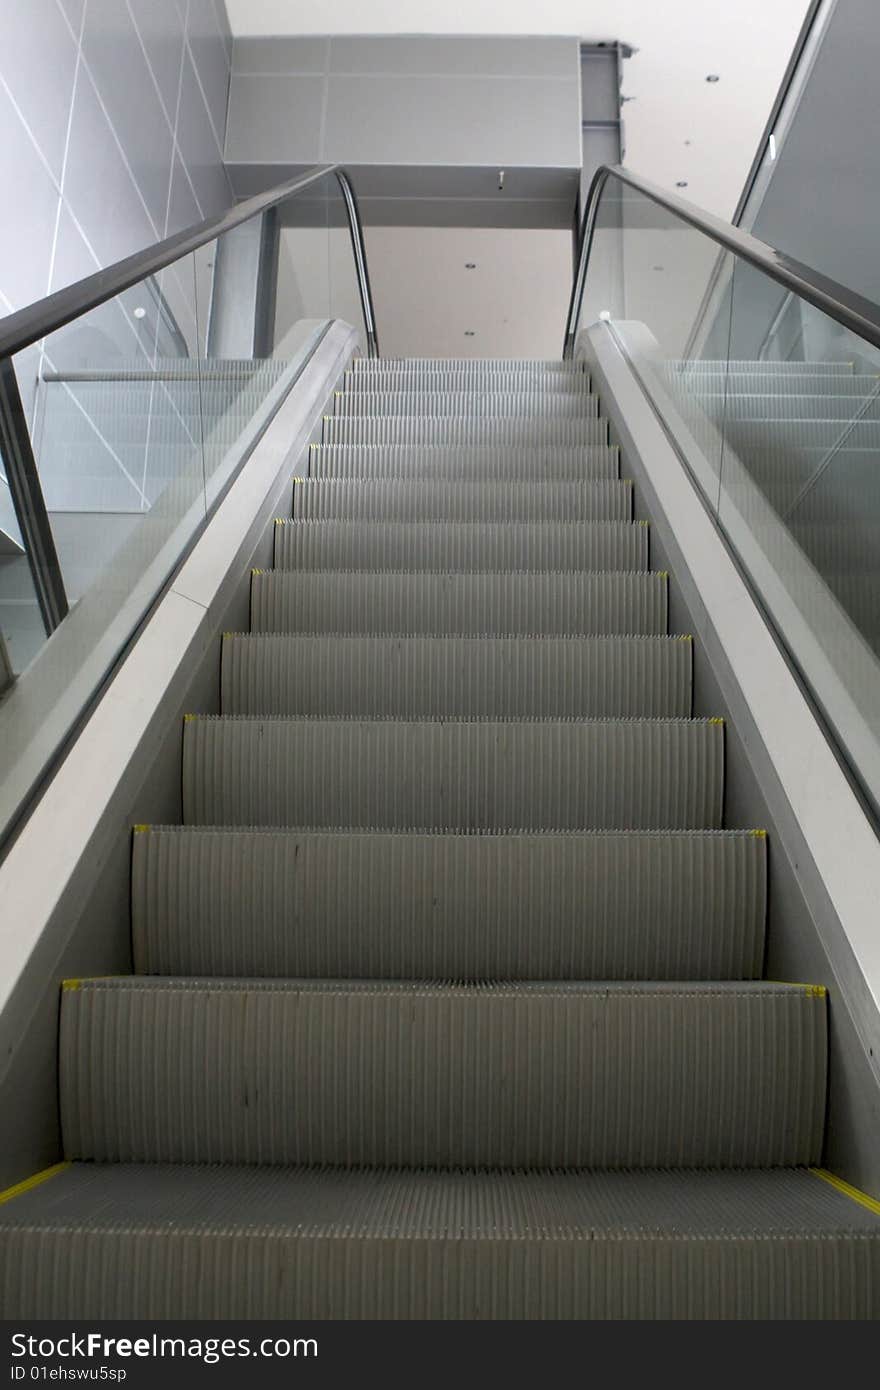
713	77
469	333
681	183
470	265
140	313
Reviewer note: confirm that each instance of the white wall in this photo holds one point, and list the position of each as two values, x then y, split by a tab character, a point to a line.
679	42
514	301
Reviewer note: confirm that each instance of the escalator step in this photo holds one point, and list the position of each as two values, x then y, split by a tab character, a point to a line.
307	903
441	774
522	463
462	546
326	601
514	1074
516	429
503	677
476	405
125	1241
428	499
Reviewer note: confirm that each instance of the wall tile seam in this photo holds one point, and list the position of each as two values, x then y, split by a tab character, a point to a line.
150	69
30	134
175	148
220	141
195	69
119	145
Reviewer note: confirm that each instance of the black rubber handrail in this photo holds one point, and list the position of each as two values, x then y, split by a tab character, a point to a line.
26	326
37	321
847	308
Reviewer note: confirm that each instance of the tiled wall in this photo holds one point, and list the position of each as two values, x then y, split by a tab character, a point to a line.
112	123
113	119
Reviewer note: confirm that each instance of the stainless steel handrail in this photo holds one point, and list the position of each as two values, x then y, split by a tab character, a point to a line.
846	307
26	326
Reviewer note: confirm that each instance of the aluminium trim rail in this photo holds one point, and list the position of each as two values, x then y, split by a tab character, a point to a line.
849	309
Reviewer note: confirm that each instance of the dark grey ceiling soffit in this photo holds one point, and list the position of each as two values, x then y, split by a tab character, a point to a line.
432	196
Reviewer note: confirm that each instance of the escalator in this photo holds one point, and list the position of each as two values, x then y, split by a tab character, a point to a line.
451	991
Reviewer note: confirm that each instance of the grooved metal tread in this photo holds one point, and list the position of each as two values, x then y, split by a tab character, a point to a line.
431	499
461	545
156	1241
552	603
455	381
429	675
737	383
788	406
544	366
494	405
413	429
348	904
482	462
769	368
470	774
517	1074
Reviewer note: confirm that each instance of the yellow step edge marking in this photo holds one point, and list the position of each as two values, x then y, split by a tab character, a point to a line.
685	637
140	829
77	983
716	719
759	834
833	1180
35	1180
663	574
814	991
281	520
253	572
188	718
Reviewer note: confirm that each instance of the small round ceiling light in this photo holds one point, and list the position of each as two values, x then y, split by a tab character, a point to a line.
470	265
681	183
713	77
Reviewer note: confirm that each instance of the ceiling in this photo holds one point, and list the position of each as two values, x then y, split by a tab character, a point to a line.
678	125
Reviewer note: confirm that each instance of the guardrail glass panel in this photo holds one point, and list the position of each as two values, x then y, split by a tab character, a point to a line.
775	408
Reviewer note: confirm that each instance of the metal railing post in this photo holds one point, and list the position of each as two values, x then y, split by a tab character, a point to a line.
27	499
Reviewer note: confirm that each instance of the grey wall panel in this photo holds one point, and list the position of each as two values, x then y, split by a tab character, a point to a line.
280	54
447	104
600	90
823	199
275	117
39	62
451	120
93	123
474	55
